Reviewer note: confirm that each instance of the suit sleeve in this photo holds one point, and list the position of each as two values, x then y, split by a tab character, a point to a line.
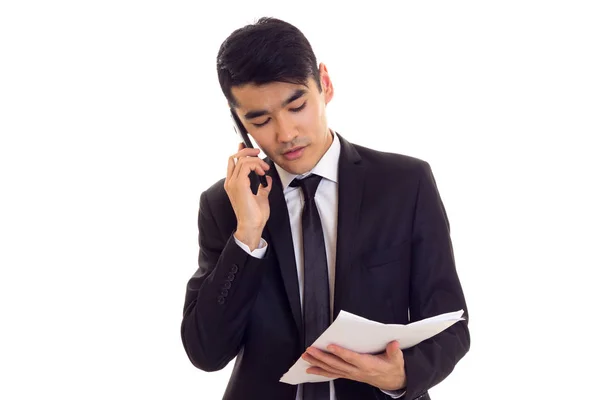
219	296
434	289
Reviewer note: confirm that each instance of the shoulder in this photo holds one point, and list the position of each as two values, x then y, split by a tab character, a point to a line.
392	162
216	190
214	199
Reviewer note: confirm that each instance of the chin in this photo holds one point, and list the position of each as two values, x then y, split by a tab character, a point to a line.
295	167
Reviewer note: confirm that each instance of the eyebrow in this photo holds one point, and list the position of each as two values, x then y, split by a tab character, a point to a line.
258	113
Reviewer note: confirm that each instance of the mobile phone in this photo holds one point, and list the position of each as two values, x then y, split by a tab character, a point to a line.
243	133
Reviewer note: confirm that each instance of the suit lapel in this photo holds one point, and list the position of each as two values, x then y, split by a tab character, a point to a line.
351	175
280	234
350	185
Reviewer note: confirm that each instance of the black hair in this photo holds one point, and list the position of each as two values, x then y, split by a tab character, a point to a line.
270	50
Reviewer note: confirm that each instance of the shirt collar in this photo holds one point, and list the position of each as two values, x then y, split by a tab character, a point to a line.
327	167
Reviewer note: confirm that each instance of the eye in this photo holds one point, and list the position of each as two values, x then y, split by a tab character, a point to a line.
262	124
298	108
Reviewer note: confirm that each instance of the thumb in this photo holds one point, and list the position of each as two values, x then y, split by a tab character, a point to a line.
264	191
393	349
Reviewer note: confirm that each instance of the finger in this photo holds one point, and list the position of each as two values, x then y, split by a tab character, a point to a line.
230	169
264	191
247	152
332	361
243	169
322	372
247	164
393	350
241	146
321	365
350	357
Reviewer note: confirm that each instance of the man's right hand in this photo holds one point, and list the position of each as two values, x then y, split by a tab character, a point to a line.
252	211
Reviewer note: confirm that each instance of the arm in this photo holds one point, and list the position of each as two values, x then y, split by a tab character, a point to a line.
434	288
219	296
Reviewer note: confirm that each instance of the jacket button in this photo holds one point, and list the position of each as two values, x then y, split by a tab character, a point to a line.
230	277
221	300
234	268
224	292
226	285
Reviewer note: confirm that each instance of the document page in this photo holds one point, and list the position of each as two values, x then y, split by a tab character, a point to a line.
365	336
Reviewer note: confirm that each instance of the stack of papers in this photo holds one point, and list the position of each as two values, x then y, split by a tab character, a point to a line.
362	335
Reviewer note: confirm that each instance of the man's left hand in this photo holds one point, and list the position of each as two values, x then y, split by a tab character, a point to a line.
384	371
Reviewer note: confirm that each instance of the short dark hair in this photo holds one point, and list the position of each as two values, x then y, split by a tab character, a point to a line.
270	50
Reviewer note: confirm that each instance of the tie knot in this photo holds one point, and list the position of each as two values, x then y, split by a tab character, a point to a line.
309	185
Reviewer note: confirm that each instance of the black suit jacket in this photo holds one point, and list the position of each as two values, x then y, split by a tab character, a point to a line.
394	265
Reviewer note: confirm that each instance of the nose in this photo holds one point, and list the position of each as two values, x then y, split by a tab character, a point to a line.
286	131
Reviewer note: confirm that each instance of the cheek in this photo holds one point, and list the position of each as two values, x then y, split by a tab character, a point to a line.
267	144
264	139
311	117
321	110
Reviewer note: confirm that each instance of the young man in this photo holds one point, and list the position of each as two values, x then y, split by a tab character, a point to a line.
338	227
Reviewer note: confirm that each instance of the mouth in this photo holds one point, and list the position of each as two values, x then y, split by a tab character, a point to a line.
294	153
293	149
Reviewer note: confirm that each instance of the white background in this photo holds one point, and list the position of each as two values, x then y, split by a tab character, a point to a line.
112	123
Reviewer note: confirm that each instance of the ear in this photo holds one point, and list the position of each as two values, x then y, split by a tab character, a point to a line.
326	84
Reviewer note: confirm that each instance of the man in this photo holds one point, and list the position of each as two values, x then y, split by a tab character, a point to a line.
338	227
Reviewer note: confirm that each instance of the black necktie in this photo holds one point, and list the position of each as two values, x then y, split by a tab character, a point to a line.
316	280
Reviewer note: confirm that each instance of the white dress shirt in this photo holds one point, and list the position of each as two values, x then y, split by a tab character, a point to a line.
326	198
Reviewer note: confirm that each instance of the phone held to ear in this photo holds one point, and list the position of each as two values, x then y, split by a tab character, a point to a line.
243	133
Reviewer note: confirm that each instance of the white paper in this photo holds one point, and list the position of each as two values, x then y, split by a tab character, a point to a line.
362	335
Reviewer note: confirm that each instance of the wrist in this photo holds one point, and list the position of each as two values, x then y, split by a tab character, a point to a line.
249	236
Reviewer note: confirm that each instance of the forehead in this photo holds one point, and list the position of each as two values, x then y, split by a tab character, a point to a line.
267	96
